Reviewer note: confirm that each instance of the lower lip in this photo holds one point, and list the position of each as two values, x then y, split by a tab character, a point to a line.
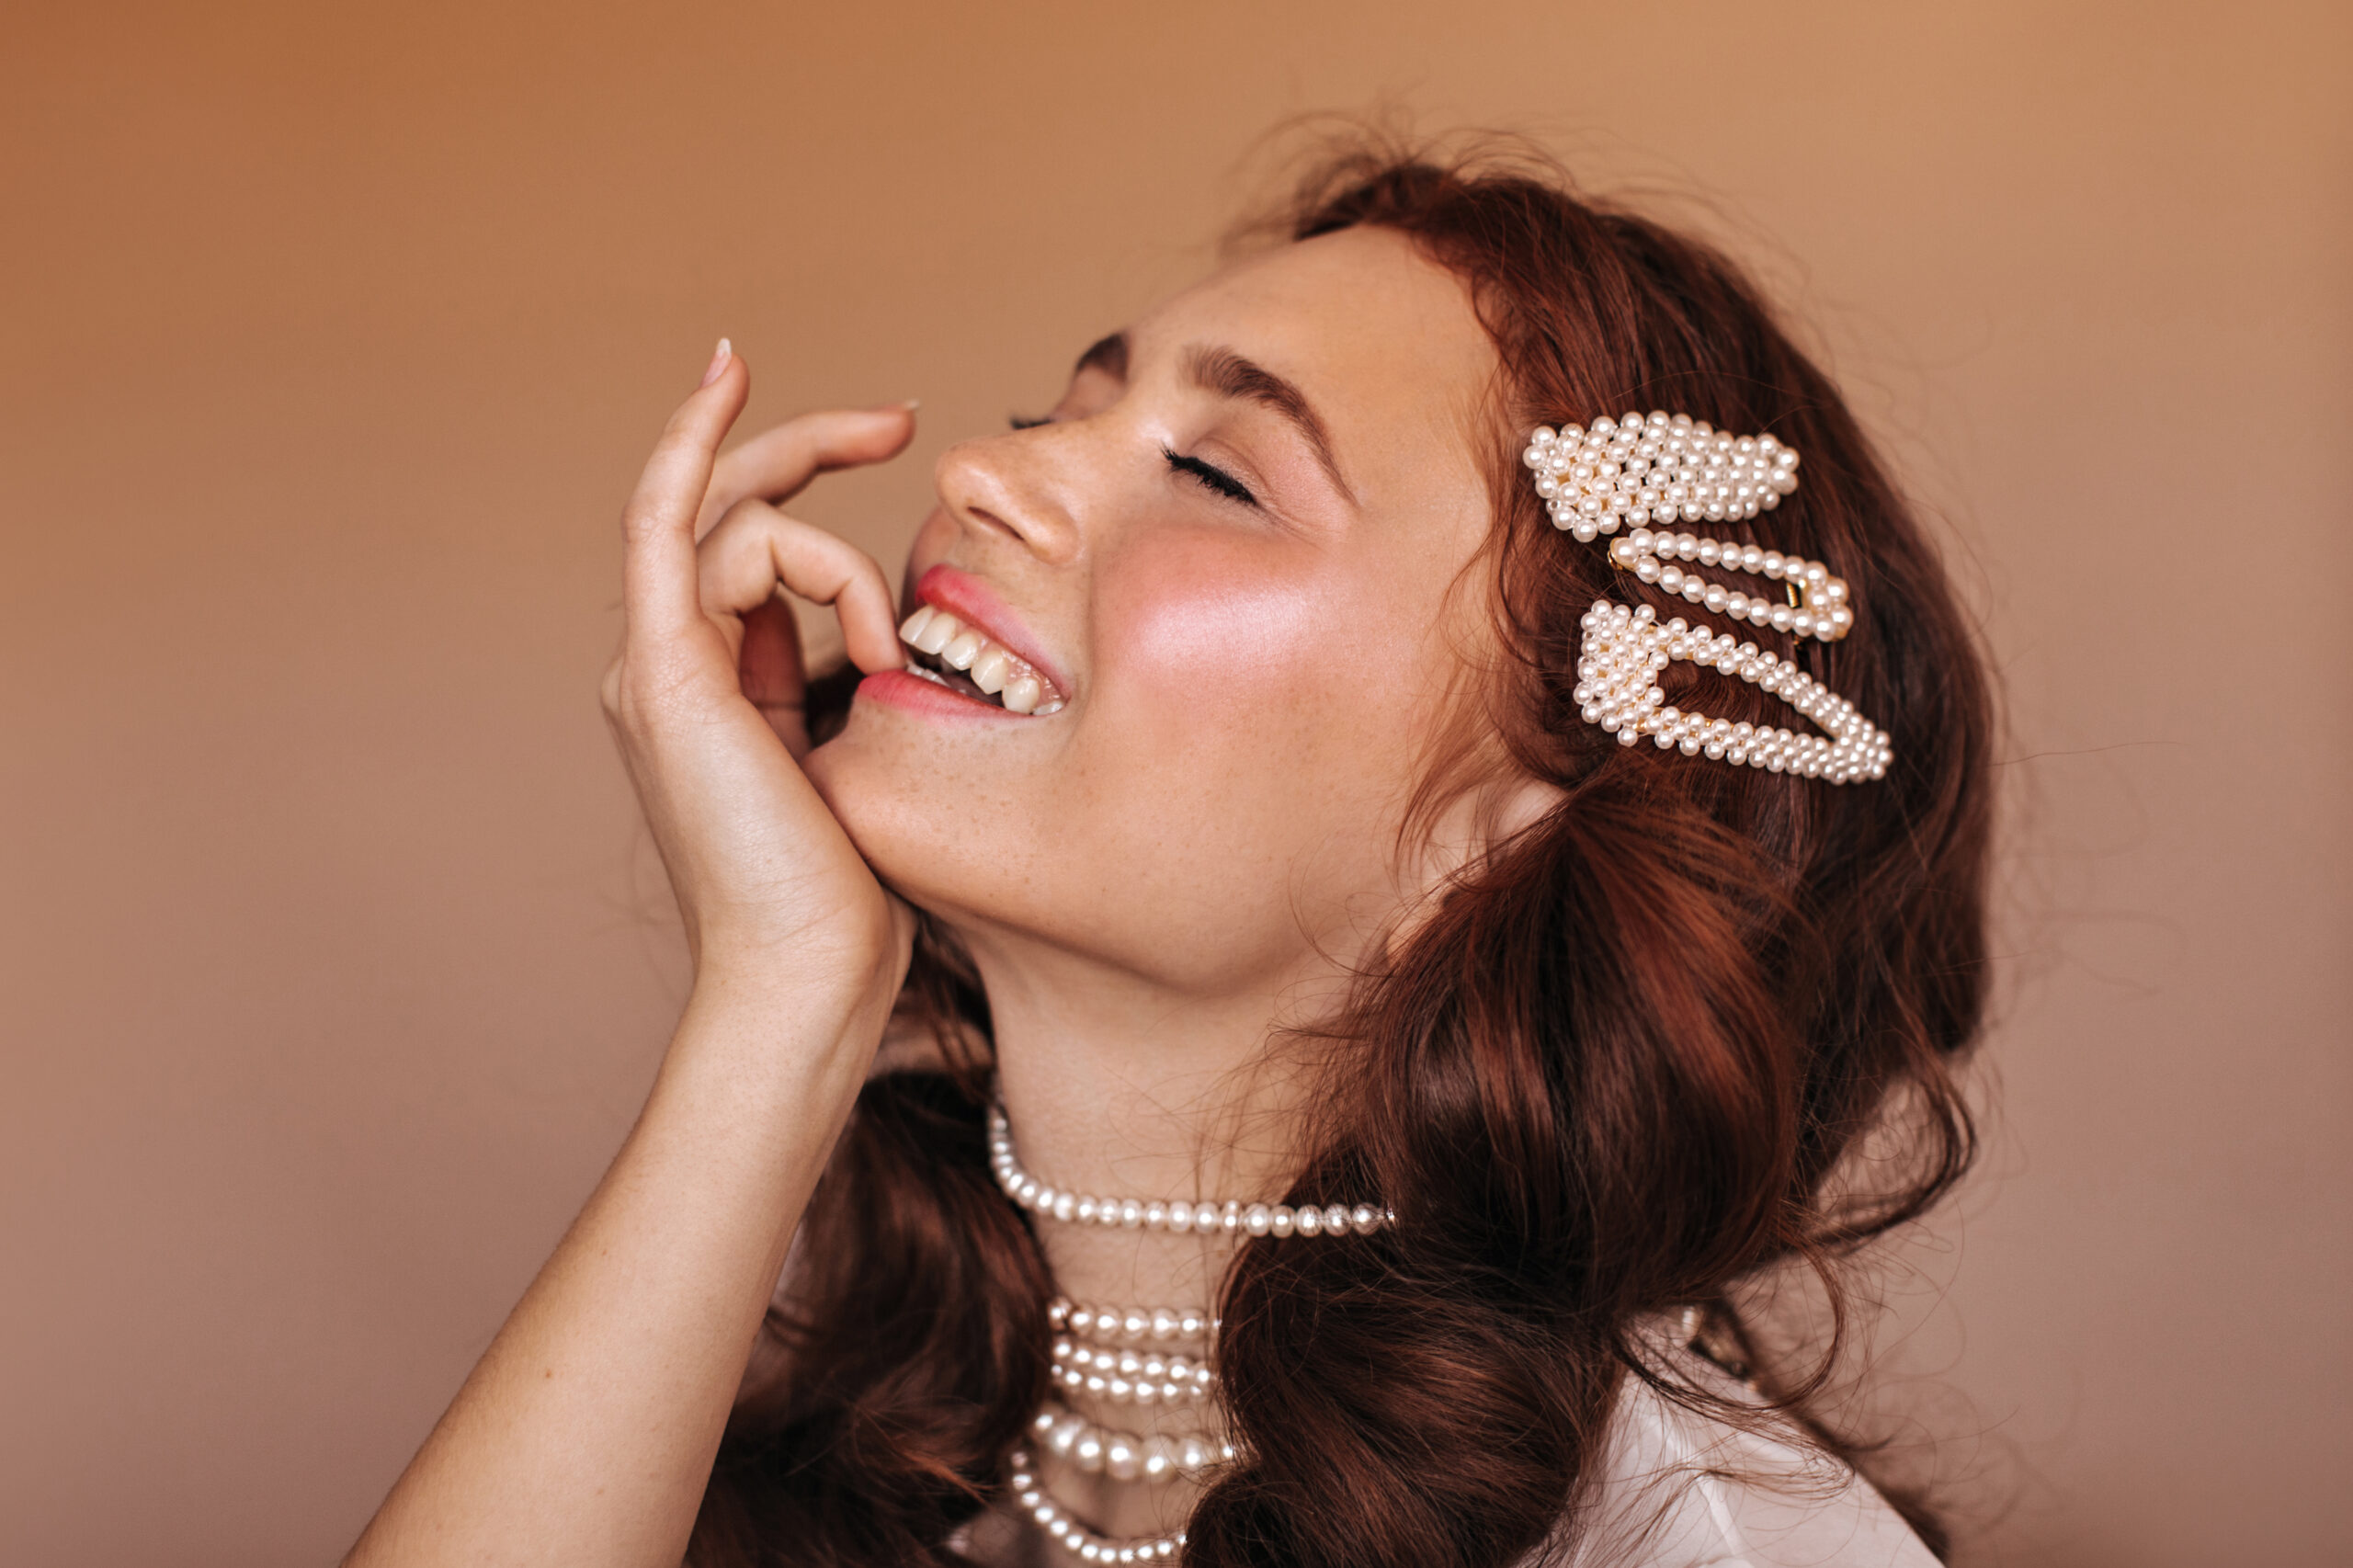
899	689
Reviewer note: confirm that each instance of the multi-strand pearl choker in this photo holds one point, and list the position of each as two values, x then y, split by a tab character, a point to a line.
1150	1356
1205	1216
1096	1353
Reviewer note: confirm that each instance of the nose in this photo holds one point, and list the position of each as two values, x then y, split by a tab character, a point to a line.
1012	487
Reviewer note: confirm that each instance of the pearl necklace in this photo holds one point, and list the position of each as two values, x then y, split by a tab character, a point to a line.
1096	1353
1127	1325
1206	1217
1095	1350
1076	1537
1125	1377
1097	1450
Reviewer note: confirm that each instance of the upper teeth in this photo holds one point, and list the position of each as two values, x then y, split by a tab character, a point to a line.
994	667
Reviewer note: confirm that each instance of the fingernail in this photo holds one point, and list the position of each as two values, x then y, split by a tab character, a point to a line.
912	405
725	352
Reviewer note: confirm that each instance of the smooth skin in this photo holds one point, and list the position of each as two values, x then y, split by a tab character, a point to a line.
1181	866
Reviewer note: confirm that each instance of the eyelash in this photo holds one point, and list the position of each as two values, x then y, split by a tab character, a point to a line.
1210	477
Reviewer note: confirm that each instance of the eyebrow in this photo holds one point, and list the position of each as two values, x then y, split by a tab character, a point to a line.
1229	374
1108	355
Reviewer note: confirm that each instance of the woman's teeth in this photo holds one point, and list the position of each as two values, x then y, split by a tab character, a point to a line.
991	668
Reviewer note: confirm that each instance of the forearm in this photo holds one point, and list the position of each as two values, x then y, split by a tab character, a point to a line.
585	1434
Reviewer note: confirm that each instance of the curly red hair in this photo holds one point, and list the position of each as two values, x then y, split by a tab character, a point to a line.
1609	1075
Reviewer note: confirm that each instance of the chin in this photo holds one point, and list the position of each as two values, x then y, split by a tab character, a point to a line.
946	844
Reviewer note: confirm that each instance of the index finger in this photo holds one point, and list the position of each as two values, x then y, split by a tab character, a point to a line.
658	584
776	464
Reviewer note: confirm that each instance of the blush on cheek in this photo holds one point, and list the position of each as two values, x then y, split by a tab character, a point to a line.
1215	627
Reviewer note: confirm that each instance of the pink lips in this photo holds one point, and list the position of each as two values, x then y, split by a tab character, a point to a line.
901	689
972	602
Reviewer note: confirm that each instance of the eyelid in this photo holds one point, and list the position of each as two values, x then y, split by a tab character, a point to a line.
1209	477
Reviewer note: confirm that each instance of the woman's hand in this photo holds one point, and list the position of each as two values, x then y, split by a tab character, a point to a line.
706	695
585	1436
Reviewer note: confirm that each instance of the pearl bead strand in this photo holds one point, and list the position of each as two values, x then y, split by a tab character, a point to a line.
1206	1217
1122	1455
1129	1325
1128	1377
1076	1537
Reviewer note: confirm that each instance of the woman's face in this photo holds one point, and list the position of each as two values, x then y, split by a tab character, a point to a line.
1228	552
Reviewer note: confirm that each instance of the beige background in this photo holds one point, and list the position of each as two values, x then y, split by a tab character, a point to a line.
332	964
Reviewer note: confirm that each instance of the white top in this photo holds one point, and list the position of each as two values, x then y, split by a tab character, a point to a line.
1679	1489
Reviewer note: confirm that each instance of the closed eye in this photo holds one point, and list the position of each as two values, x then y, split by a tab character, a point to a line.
1212	476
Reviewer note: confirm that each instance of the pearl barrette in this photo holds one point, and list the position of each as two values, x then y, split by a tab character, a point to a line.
1618	687
1665	469
1206	1217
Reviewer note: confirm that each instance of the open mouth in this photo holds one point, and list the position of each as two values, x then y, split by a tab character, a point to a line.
945	651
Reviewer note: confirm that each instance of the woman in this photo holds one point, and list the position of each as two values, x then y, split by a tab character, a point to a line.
1226	1035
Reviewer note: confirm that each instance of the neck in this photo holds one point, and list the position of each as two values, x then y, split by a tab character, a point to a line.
1120	1088
1124	1088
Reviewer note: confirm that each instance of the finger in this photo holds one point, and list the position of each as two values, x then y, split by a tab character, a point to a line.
775	464
658	588
755	547
774	681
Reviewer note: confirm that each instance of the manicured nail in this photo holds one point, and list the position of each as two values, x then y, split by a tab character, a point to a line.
725	352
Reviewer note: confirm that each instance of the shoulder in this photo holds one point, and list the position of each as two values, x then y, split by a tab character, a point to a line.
1676	1487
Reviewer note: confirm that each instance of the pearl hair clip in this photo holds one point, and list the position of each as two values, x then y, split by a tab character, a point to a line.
1638	471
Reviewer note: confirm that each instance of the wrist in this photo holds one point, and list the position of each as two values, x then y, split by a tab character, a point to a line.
807	995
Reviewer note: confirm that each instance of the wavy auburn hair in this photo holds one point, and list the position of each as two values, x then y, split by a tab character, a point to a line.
1613	1073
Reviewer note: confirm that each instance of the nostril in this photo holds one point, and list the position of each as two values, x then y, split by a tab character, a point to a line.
983	514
